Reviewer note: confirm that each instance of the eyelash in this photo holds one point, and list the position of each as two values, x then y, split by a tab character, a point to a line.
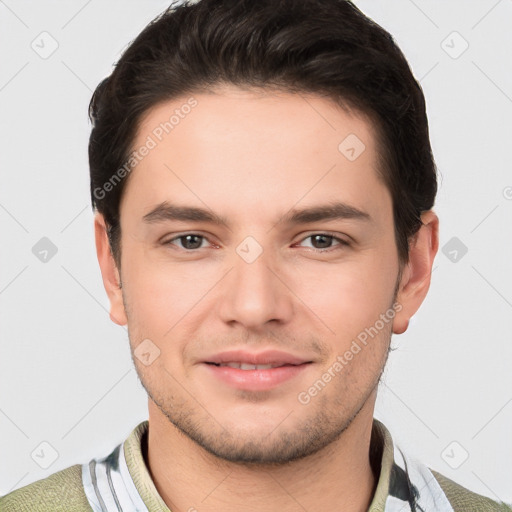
341	242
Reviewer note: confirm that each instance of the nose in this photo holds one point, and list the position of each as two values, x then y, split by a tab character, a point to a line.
256	293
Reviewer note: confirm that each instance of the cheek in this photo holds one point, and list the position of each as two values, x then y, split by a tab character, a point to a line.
341	298
160	293
347	298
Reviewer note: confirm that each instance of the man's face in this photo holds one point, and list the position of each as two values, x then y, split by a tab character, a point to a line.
264	282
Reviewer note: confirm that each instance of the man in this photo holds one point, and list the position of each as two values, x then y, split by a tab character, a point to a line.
263	184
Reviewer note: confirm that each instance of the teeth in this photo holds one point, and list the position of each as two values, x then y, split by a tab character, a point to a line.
245	366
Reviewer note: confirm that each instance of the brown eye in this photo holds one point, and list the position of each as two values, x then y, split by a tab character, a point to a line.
324	241
189	241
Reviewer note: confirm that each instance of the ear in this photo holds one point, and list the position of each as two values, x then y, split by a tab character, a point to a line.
416	274
109	271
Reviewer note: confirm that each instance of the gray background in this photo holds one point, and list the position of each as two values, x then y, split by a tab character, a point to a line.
66	377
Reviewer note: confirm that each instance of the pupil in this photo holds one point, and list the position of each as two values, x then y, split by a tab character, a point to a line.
187	243
326	239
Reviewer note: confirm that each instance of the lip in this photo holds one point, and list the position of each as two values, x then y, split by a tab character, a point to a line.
265	357
290	366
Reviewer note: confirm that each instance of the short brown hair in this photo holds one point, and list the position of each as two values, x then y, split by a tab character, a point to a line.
328	47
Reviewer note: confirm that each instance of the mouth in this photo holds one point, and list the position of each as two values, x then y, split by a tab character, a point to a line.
248	366
255	371
264	360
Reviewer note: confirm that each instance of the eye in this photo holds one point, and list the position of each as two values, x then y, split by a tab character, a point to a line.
323	241
188	241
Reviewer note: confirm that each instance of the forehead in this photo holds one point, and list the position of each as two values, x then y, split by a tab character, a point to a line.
246	145
229	111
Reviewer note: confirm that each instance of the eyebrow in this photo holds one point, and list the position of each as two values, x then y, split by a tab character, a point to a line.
332	211
166	211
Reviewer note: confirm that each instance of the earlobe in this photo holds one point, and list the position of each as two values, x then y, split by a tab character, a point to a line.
401	320
109	272
415	281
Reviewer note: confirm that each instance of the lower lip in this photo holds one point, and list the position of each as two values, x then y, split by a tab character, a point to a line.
256	380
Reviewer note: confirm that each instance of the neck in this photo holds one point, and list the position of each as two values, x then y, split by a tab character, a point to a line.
338	477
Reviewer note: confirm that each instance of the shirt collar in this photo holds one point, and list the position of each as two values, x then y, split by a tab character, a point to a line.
123	478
